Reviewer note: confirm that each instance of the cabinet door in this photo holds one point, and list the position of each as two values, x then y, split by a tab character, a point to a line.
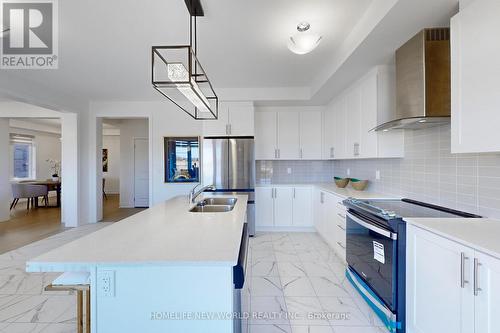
283	206
435	299
353	122
264	207
241	120
302	207
487	302
220	126
475	69
340	129
340	235
369	139
317	206
265	135
329	132
310	135
288	135
330	219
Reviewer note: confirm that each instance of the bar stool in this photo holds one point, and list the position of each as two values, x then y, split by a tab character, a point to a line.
79	282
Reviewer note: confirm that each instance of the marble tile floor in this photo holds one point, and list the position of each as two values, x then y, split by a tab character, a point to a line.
296	284
24	305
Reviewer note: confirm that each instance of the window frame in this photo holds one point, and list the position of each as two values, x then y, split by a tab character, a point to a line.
31	159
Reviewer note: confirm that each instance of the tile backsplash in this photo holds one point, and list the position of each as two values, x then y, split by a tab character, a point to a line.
430	173
300	171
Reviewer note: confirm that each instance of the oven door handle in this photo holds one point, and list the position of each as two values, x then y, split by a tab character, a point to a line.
373	228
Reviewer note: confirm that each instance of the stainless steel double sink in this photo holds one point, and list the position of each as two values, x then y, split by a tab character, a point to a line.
214	205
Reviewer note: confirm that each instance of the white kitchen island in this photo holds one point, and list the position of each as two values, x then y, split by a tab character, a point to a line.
171	270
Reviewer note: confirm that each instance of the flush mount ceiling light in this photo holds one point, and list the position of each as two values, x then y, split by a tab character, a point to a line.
177	73
303	41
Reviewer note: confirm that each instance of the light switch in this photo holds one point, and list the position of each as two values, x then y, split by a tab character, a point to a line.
377	175
348	171
289	171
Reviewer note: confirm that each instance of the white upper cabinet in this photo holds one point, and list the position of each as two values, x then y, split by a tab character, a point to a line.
235	119
288	138
475	69
310	135
329	123
353	122
265	135
359	109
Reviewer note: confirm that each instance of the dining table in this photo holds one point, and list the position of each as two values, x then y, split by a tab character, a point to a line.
52	185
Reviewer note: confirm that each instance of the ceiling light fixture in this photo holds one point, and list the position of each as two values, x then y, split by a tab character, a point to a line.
177	73
303	41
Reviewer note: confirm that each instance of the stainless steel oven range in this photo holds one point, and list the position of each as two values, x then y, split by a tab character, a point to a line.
376	252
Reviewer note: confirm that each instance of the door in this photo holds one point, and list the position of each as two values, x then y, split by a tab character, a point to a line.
475	69
353	122
302	207
141	173
283	206
215	162
265	135
487	301
369	139
288	136
340	129
264	206
310	135
241	164
371	252
329	133
241	120
219	126
436	302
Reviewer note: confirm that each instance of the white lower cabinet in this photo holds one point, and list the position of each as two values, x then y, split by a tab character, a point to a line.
450	287
329	220
283	206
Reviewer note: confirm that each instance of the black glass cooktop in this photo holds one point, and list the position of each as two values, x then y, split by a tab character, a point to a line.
391	209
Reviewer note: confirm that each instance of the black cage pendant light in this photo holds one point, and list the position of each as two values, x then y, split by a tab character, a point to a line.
177	73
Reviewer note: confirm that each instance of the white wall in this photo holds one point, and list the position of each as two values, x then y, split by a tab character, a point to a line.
5	191
129	130
165	119
47	146
112	144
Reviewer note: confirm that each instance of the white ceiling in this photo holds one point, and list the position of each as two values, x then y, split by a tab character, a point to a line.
104	47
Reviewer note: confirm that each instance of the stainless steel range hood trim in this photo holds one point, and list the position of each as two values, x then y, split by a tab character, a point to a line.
412	123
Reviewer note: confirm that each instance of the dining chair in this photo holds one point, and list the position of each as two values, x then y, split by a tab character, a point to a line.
29	192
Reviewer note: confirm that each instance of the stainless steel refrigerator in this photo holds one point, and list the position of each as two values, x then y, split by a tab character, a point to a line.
229	164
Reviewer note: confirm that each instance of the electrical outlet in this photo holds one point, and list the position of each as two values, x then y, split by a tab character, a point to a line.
377	175
106	283
348	171
289	171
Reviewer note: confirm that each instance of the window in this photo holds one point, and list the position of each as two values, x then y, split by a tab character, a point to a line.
182	160
23	157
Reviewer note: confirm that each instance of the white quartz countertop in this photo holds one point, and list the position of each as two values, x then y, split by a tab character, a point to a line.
347	192
166	233
480	234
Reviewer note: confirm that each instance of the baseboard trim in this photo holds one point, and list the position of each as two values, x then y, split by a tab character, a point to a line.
285	229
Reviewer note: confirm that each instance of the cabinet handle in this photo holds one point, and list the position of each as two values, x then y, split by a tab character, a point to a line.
275	153
463	281
230	129
477	289
340	244
300	152
294	192
331	152
227	132
341	227
321	198
356	149
279	153
341	216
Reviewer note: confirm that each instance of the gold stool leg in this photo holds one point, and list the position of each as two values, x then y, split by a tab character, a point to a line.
87	310
79	311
